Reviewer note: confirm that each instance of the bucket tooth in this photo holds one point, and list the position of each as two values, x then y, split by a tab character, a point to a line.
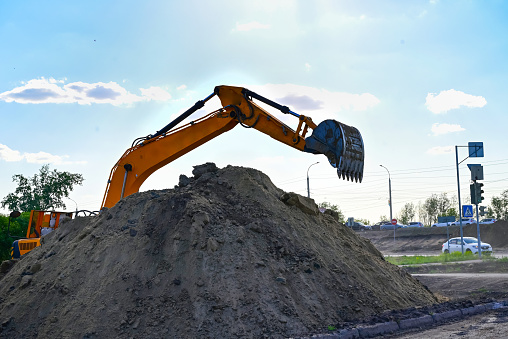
342	145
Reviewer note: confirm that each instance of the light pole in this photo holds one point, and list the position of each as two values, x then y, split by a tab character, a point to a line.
308	187
389	191
75	204
390	197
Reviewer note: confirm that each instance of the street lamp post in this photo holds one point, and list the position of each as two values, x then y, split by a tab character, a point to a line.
75	204
390	197
389	191
308	187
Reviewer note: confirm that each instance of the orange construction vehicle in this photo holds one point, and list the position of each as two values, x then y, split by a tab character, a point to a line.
40	224
342	144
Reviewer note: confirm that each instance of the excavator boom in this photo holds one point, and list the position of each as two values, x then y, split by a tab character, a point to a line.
342	144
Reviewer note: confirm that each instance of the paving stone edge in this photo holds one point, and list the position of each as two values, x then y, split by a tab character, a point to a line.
379	329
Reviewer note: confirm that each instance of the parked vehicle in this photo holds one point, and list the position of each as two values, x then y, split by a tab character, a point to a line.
441	224
470	246
415	224
358	226
487	221
377	226
368	228
465	221
389	226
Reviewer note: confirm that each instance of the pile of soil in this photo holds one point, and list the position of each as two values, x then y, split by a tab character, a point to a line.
223	254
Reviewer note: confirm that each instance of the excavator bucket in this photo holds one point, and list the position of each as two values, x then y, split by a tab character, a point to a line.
342	145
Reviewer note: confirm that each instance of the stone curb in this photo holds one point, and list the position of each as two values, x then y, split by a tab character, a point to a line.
473	310
378	329
392	326
438	317
416	322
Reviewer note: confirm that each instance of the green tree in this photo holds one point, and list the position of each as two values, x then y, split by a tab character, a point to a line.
443	204
499	206
43	191
431	208
490	212
407	213
451	212
422	215
17	229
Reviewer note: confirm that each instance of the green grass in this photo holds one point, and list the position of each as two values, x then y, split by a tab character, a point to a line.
443	258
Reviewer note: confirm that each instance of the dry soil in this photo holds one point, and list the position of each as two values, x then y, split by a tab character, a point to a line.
224	254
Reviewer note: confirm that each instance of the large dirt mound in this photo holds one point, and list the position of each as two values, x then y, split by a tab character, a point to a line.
224	254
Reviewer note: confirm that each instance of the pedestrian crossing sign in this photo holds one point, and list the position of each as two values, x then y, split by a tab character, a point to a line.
467	211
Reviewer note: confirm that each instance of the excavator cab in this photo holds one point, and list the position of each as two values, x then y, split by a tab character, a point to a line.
39	224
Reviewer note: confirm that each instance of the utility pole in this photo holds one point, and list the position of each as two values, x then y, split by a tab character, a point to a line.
389	191
390	201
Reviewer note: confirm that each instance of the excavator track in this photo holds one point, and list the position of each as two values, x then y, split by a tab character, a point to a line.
342	145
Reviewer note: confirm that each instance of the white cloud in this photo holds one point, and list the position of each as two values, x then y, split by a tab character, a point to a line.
307	66
439	129
320	104
452	99
329	101
10	155
250	26
39	91
440	150
155	93
181	87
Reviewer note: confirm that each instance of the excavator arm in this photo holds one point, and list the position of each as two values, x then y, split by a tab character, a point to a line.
342	144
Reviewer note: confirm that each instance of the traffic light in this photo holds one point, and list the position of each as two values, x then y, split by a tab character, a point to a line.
478	191
482	210
472	189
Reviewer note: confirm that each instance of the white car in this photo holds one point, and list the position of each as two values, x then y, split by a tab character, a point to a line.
415	224
441	224
487	221
465	221
470	246
389	226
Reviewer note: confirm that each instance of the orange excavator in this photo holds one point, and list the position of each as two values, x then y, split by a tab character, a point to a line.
39	224
342	144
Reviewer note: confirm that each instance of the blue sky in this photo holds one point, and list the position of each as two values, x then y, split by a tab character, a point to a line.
81	80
